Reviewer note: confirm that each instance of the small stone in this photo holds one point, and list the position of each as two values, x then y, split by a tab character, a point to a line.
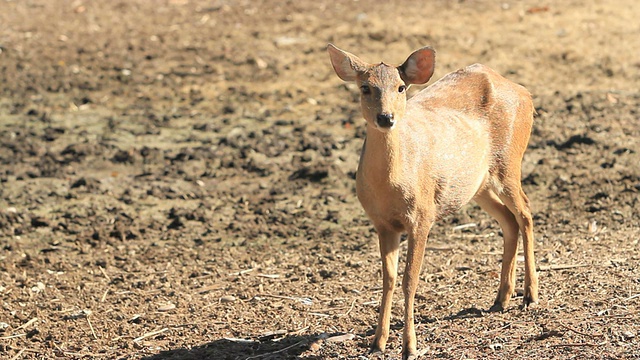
228	299
39	287
283	41
260	63
315	346
166	307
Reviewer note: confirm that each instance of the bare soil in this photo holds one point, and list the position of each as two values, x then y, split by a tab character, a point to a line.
177	181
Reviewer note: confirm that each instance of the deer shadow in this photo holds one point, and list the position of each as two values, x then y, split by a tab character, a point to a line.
288	347
472	312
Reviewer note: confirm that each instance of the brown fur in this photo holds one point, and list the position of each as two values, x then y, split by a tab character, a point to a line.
460	139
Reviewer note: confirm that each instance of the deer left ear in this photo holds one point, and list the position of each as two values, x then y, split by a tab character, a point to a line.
419	66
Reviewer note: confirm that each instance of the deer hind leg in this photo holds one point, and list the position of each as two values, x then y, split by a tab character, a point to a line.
491	203
389	243
516	200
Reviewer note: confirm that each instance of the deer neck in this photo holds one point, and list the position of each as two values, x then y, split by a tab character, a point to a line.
382	156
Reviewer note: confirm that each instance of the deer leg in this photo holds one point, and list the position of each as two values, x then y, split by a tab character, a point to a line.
516	200
490	203
415	255
530	275
389	242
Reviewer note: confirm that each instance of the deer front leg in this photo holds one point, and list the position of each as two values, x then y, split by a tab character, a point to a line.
389	241
415	255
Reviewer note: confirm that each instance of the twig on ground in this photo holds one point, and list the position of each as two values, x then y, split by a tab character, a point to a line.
149	334
304	300
273	334
93	332
18	354
331	309
241	341
269	276
464	226
299	331
350	308
440	248
340	338
626	315
319	314
104	273
23	326
423	352
278	351
560	267
104	296
579	332
498	329
13	336
578	344
92	355
279	297
241	272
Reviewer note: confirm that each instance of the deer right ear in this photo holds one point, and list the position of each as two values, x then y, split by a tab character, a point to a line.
346	65
419	66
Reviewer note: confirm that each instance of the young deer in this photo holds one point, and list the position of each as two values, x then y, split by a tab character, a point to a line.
460	139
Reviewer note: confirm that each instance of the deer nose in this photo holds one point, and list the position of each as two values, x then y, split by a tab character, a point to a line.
385	120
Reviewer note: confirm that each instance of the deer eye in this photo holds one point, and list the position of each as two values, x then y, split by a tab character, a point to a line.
402	88
365	89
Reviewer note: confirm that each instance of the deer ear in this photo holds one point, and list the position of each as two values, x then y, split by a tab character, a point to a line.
346	65
419	66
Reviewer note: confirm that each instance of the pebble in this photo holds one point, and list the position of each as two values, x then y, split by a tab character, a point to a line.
228	299
38	288
234	135
288	41
260	63
167	307
315	346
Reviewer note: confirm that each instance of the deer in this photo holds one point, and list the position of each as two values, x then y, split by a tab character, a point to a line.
460	139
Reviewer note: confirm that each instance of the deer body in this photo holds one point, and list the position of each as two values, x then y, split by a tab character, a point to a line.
443	152
460	139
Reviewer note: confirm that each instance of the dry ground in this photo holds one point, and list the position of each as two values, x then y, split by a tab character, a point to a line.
177	180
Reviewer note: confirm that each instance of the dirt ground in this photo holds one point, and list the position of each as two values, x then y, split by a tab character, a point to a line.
177	181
